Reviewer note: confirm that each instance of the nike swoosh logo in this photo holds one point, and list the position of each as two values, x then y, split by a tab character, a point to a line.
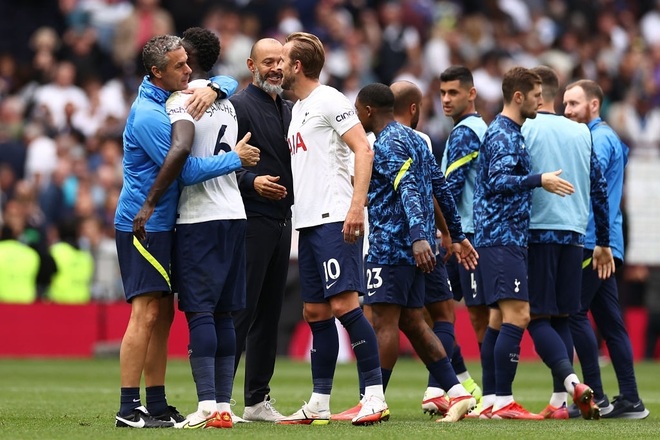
474	294
636	405
371	293
136	400
327	286
138	424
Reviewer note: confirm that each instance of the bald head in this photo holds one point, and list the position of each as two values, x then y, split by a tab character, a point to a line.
264	45
263	64
407	102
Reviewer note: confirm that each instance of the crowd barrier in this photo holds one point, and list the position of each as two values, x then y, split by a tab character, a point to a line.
52	330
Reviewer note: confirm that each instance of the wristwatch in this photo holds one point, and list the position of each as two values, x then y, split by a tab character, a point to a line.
216	88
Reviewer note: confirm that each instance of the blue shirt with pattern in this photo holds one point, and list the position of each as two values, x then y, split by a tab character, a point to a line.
459	163
405	176
503	191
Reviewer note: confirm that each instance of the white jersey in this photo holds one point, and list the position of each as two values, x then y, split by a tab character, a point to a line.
215	133
320	159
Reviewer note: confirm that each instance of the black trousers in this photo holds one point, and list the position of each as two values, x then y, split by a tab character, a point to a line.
268	245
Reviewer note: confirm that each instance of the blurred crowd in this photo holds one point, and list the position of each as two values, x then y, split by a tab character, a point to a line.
69	70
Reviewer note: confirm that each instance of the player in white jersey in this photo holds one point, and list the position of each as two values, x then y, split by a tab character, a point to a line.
209	257
329	214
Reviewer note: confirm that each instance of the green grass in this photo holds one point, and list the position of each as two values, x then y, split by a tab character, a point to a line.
77	399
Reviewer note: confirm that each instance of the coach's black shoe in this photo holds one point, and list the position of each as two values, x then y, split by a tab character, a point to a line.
140	418
171	415
625	409
603	403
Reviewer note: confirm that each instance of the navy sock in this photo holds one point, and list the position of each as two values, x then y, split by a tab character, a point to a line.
325	349
443	373
156	400
507	355
445	332
224	358
361	382
586	347
201	349
386	374
549	346
365	345
488	360
457	361
129	400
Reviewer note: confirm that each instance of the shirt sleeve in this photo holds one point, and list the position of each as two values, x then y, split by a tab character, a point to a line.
599	202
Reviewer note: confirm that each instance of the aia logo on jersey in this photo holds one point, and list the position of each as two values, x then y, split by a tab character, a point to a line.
296	143
344	115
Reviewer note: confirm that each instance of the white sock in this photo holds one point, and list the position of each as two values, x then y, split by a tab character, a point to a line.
569	383
558	399
488	400
374	390
319	402
457	391
433	392
206	406
501	402
463	377
223	407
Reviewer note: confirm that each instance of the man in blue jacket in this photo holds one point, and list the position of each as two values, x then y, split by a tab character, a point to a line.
582	100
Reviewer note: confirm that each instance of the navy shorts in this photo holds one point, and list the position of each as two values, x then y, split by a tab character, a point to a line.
401	285
464	283
502	273
555	279
144	265
209	266
437	286
327	264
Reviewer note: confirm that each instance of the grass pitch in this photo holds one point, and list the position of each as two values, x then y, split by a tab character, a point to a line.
77	399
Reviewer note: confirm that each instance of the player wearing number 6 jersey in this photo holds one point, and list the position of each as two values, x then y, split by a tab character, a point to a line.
209	257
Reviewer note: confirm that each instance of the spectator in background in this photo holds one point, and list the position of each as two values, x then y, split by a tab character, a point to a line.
31	228
226	22
19	263
147	19
95	237
399	45
72	281
51	99
41	158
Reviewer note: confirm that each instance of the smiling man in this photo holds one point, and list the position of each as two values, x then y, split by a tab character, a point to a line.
267	191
